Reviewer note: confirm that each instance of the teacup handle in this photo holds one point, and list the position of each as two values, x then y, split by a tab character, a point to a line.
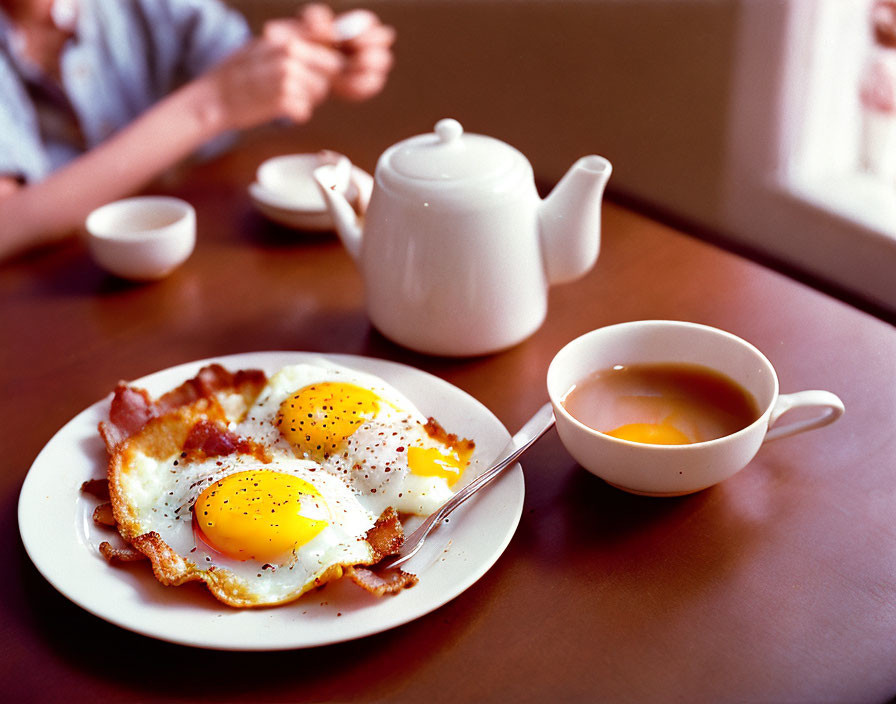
803	399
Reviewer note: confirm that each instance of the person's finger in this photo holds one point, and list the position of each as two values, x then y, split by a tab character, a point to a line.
315	22
317	57
297	108
314	85
359	86
373	59
377	35
280	30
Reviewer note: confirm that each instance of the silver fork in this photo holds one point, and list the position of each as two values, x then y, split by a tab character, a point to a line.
535	427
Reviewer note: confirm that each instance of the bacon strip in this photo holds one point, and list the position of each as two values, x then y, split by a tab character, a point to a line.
387	535
132	408
103	515
96	487
209	381
437	432
382	582
125	554
386	538
212	439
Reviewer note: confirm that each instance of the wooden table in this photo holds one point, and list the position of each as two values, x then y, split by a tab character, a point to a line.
777	585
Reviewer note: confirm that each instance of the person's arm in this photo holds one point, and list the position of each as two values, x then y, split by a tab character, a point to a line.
285	73
279	75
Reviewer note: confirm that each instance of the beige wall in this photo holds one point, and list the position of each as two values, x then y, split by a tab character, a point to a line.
683	96
557	80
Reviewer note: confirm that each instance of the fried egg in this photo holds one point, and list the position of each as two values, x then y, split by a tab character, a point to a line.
257	530
295	485
361	430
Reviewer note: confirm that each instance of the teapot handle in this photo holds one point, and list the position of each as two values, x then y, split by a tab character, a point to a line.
363	183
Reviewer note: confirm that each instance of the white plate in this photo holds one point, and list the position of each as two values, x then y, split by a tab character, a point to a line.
62	540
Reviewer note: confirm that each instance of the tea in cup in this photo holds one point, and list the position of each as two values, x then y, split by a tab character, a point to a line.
666	408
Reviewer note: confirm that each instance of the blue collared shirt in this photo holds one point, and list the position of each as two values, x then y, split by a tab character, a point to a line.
124	56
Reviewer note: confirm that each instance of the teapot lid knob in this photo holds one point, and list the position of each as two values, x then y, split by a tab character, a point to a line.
448	130
449	158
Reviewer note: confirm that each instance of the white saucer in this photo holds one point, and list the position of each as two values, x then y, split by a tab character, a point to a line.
285	191
280	211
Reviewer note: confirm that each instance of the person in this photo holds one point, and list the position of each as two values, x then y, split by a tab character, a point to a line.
98	98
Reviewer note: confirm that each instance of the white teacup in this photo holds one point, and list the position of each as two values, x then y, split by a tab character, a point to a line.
673	470
142	238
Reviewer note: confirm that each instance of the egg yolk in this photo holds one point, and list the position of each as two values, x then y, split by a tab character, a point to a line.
260	515
436	462
653	433
318	418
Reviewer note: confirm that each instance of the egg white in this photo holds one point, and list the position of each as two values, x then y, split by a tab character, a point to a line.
374	461
161	494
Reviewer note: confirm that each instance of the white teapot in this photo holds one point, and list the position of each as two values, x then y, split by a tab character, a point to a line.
456	249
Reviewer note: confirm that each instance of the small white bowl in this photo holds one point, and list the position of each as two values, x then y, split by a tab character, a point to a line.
285	190
143	238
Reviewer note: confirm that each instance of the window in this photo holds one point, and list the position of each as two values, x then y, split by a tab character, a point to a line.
795	186
843	152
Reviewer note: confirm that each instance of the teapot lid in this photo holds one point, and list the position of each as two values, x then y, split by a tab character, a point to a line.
448	156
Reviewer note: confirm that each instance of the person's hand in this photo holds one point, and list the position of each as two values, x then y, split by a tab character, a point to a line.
364	41
281	74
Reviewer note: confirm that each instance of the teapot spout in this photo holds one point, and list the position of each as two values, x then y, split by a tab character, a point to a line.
569	220
345	219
